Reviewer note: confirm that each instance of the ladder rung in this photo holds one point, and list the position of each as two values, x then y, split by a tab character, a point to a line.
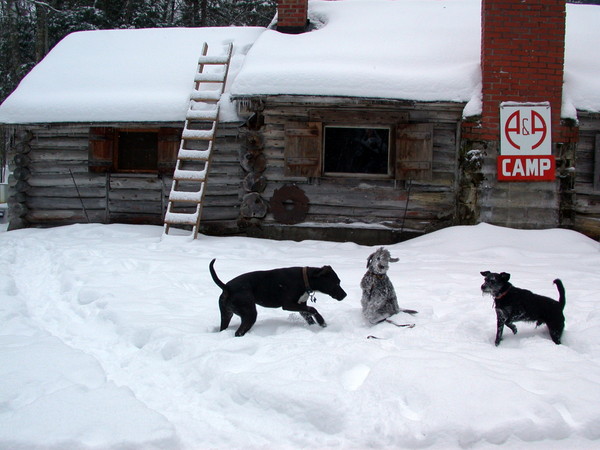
206	96
200	114
182	196
210	77
189	175
214	59
199	135
181	218
193	155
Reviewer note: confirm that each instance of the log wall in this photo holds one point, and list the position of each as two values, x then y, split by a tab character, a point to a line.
51	184
397	205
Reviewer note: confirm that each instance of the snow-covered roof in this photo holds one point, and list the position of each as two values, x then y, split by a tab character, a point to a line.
142	75
582	60
423	50
411	49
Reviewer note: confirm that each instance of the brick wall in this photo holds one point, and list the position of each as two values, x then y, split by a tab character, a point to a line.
292	15
522	56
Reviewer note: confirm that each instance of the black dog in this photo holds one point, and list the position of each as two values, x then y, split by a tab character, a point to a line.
513	304
287	288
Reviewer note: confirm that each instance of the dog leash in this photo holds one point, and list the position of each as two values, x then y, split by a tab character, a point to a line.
400	325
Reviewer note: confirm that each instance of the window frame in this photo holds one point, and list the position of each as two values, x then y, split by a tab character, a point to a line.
410	147
103	152
363	175
117	156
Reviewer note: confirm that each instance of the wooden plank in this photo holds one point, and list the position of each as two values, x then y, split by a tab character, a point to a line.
589	225
65	180
68	192
358	116
210	212
64	217
64	203
135	182
134	207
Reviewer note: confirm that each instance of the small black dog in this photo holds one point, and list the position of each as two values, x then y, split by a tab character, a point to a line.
514	304
288	288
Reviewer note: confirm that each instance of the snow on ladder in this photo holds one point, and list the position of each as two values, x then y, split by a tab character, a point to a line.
197	140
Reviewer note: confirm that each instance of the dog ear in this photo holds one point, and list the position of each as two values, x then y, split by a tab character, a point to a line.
369	259
324	270
505	276
485	274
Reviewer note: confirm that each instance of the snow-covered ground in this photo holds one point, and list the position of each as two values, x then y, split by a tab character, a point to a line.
108	340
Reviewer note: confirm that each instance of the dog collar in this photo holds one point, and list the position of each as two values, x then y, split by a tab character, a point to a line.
309	294
498	297
305	276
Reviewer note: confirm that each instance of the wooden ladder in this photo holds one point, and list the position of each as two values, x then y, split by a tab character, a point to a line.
184	208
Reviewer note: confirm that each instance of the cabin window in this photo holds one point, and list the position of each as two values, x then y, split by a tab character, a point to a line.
403	151
137	151
356	151
115	150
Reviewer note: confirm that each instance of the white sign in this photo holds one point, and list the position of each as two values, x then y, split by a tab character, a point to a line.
525	129
525	143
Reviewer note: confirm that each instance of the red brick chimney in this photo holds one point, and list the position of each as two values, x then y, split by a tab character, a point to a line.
292	16
522	56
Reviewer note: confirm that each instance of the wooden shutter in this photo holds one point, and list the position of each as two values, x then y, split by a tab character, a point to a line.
168	147
302	152
414	151
102	146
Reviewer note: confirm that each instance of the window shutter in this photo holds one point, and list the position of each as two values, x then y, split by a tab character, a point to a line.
303	149
101	149
414	151
168	147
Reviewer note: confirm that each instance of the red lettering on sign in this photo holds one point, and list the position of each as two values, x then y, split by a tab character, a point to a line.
542	127
515	126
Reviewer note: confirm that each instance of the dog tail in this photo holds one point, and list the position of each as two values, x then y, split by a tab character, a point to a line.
561	292
214	276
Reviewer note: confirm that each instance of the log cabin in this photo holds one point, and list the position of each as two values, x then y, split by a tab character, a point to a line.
371	131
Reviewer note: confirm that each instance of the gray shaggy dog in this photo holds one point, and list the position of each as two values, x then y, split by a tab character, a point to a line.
379	300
